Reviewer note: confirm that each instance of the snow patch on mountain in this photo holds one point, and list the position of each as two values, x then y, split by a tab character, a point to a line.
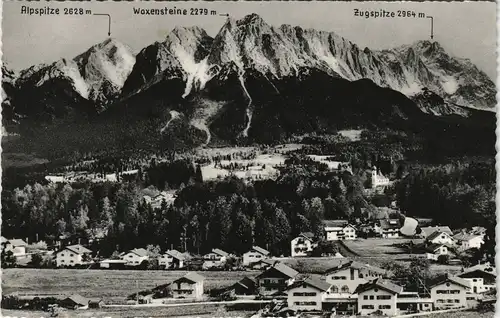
173	115
449	85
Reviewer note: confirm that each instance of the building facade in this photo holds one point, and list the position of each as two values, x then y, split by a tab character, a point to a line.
189	286
345	278
72	255
135	257
307	295
254	255
302	245
378	296
275	279
449	292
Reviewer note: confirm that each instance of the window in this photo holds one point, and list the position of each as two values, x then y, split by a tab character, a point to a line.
367	307
335	289
474	280
384	297
298	294
372	297
384	307
71	255
365	297
440	301
310	294
454	292
71	261
344	289
457	301
449	300
62	254
360	275
470	298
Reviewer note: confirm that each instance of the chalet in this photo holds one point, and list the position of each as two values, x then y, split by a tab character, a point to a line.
339	230
465	241
254	255
188	286
135	257
172	259
480	281
428	230
433	251
302	245
75	302
96	303
449	292
245	286
389	228
215	258
307	295
73	255
16	246
347	276
275	279
378	295
439	237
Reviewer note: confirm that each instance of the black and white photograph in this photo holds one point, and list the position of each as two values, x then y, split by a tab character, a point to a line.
248	159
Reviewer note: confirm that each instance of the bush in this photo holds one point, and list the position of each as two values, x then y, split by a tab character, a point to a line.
443	259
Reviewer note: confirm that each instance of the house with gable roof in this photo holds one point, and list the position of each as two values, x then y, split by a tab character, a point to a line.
439	237
303	244
348	275
378	295
135	257
188	286
307	295
480	280
433	251
275	279
336	230
254	255
428	230
172	259
465	241
449	292
73	255
215	258
16	246
389	228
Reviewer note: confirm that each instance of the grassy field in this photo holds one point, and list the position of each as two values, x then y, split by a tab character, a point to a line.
201	311
111	285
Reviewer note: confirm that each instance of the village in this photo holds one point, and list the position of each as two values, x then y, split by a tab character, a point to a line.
352	287
348	268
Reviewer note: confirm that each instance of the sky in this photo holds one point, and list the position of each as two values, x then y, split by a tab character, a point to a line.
464	29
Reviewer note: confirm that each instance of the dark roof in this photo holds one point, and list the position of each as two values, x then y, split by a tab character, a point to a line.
435	235
139	252
448	278
79	300
219	252
192	276
313	282
282	268
477	273
380	283
246	282
260	250
465	236
357	265
78	249
387	224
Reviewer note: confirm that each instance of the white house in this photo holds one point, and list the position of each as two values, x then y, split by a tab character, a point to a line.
254	255
275	279
389	228
339	230
439	237
449	292
302	245
378	295
436	250
16	246
378	179
215	258
188	286
480	280
465	241
73	255
428	230
347	276
307	295
135	257
172	259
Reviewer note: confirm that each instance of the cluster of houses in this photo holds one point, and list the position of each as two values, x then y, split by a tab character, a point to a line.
16	246
439	240
350	288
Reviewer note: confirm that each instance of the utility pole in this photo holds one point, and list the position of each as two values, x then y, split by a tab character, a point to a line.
137	292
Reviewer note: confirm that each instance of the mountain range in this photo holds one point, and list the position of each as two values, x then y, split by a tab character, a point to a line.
251	81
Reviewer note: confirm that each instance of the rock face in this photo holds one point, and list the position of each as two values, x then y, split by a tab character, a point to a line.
255	81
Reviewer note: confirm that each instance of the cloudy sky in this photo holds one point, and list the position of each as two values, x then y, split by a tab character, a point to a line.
463	29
